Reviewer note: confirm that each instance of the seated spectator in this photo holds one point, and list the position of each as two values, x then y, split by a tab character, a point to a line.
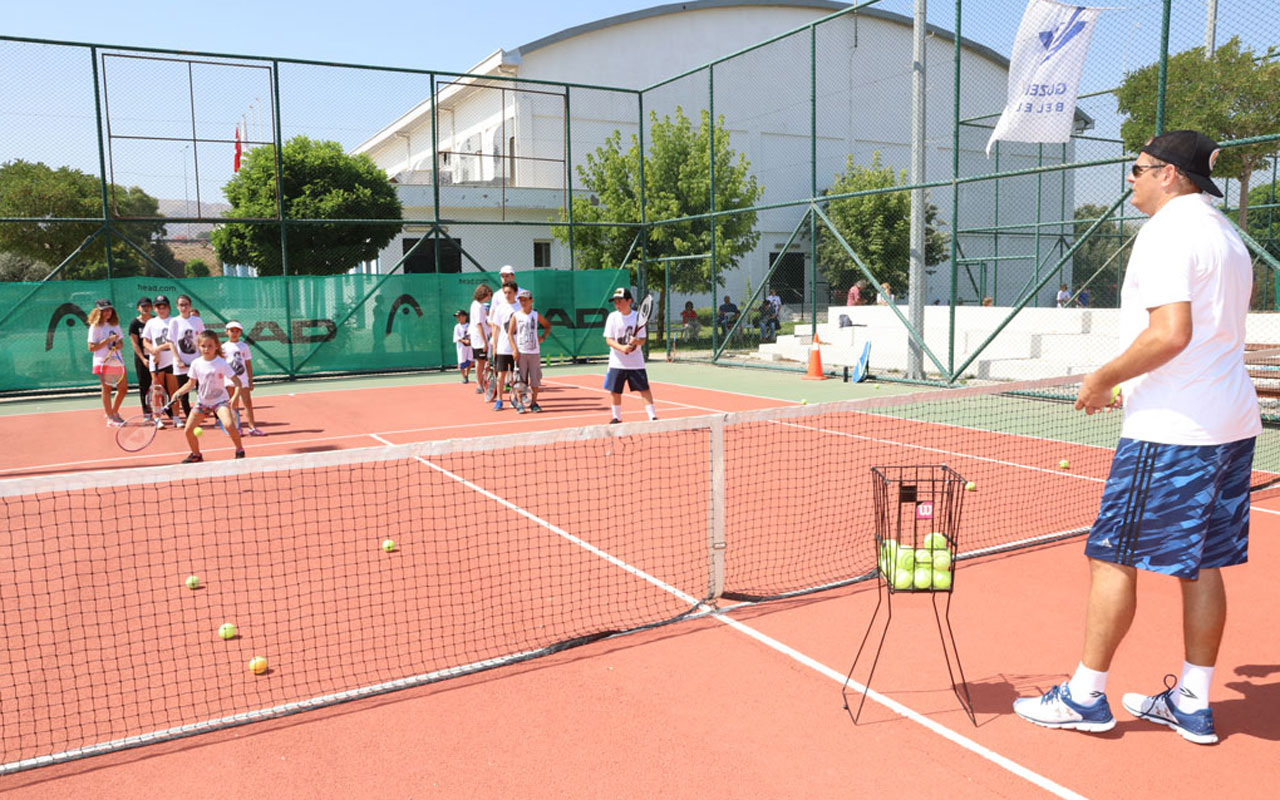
855	295
1082	298
767	319
725	316
885	298
689	319
1064	296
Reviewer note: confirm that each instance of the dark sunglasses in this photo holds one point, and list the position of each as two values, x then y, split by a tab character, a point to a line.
1137	169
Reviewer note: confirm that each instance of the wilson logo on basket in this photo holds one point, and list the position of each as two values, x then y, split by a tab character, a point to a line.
924	509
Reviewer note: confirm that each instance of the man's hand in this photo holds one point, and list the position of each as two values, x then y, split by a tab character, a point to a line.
1095	396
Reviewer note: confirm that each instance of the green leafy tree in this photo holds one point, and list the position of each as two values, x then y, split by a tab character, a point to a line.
1264	227
14	267
1230	95
320	181
677	184
197	269
876	226
45	194
1096	262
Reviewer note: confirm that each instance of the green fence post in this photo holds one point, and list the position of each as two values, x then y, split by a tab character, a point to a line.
102	160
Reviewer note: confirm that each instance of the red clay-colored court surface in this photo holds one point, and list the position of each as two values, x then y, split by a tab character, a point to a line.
745	702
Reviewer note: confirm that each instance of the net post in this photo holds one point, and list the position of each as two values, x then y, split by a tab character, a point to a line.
715	510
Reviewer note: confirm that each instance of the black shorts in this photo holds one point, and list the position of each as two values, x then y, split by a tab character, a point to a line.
479	355
163	370
504	362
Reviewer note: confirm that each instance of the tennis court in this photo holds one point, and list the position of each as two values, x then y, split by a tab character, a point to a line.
535	533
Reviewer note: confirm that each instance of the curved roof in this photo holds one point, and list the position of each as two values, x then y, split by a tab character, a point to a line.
700	5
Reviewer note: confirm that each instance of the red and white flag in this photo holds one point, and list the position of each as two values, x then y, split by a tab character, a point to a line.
237	164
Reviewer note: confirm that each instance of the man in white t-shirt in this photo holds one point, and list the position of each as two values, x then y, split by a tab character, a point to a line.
504	359
626	358
1177	499
155	340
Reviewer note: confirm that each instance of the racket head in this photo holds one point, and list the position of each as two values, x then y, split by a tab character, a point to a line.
159	398
490	389
136	433
643	312
235	420
521	394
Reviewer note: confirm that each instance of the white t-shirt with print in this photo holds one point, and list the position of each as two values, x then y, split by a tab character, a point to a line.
100	333
462	331
207	372
527	332
157	330
499	316
478	326
622	330
1188	251
237	356
183	332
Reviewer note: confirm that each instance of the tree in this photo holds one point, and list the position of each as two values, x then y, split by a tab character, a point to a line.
14	267
1231	95
197	269
677	180
1096	262
1264	227
44	194
876	226
320	181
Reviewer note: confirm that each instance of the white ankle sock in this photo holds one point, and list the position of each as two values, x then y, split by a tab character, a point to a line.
1193	688
653	414
617	412
1087	685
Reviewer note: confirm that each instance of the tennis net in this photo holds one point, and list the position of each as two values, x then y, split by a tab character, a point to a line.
500	549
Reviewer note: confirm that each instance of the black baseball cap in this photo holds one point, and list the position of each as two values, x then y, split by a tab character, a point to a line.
461	313
103	304
161	300
1190	151
622	293
143	301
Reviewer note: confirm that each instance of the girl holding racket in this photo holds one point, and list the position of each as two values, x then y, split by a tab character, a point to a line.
106	341
206	374
625	333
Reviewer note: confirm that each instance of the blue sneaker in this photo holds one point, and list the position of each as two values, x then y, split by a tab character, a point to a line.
497	406
1056	709
1194	726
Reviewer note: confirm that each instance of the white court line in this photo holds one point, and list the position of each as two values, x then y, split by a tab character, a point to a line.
898	708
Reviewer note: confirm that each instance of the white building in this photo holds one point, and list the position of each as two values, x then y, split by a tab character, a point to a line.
502	146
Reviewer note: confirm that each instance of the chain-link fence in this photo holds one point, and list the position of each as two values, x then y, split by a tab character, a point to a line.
764	197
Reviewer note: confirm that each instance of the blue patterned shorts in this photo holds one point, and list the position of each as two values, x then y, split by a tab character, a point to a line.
1175	509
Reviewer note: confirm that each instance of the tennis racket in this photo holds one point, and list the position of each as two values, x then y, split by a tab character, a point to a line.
643	312
235	420
490	383
139	430
159	400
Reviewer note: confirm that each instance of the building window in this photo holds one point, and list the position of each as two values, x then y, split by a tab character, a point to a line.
541	255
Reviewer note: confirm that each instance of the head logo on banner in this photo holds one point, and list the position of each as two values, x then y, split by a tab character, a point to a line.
1044	73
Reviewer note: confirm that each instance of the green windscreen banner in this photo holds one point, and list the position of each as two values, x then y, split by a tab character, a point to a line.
299	325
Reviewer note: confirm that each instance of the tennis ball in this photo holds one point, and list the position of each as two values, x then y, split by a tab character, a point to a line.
888	557
970	486
936	541
906	558
193	582
1064	464
389	545
902	579
941	579
227	631
923	577
1115	392
941	559
197	431
258	665
923	556
804	402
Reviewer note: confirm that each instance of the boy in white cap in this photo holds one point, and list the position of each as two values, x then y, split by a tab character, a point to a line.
462	339
237	355
626	359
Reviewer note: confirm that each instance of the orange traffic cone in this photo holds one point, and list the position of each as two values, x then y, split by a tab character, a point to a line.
815	360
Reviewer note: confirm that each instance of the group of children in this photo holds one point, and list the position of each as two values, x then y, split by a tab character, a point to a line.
502	335
168	349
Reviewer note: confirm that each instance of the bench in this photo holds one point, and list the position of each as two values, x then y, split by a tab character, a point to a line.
1265	371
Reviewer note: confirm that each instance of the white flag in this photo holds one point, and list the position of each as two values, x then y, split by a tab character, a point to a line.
1044	73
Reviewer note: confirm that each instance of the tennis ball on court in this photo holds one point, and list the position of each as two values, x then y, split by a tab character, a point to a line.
258	665
804	402
1064	464
971	487
902	579
193	582
197	431
941	579
227	631
941	559
923	577
389	545
936	541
